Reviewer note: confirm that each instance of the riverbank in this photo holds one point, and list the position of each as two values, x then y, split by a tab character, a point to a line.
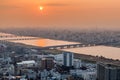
87	58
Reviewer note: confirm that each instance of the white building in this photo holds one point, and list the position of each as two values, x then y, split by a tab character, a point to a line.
89	75
30	63
77	63
59	59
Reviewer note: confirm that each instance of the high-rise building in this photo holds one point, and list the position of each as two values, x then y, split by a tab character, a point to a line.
47	63
68	59
108	71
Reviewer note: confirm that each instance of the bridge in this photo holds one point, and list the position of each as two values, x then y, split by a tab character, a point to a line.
17	39
12	36
51	47
65	46
7	36
73	46
45	48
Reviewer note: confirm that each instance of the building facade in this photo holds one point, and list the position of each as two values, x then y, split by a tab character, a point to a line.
68	59
47	63
108	72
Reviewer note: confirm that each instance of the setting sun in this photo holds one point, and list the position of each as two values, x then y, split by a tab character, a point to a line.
41	8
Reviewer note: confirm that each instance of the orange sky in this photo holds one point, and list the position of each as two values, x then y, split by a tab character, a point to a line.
76	14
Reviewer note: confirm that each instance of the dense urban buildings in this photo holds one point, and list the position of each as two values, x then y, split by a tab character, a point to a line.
24	62
39	66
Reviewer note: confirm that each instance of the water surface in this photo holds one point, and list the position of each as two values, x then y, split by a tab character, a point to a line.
108	52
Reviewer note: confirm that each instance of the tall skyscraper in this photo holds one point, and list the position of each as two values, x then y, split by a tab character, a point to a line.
68	59
108	71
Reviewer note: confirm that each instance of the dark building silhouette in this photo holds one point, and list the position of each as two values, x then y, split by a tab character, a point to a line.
47	63
108	71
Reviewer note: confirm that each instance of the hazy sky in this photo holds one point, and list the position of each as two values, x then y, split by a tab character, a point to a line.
82	14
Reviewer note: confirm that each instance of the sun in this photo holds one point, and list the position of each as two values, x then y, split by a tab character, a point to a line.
41	8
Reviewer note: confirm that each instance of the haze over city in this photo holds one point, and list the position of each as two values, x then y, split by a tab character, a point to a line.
59	39
61	14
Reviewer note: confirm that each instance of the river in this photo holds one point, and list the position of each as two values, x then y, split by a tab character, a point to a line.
106	51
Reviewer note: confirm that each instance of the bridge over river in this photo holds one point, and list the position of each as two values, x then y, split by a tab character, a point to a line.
5	39
18	39
66	46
